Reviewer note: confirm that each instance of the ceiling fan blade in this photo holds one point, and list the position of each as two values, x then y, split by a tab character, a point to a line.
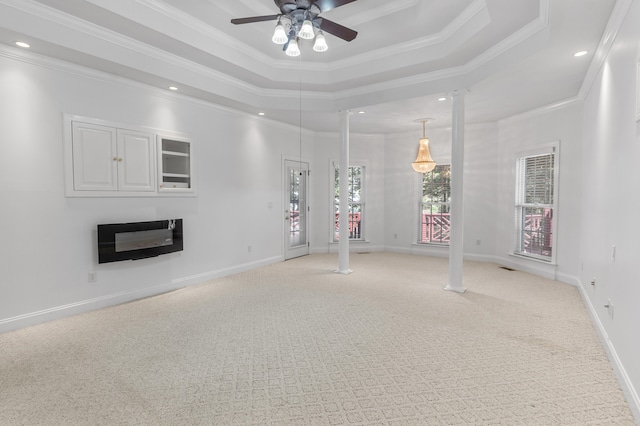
325	5
337	30
254	19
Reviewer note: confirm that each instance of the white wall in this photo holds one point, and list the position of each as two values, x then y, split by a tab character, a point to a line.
611	200
402	189
364	149
48	241
525	133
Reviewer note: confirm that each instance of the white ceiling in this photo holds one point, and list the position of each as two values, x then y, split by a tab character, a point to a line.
512	55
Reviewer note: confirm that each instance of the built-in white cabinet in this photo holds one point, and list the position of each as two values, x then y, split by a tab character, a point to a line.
105	159
175	164
111	159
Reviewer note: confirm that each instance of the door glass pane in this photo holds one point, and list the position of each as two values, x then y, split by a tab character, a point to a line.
297	208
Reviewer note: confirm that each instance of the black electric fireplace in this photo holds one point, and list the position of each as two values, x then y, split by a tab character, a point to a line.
138	240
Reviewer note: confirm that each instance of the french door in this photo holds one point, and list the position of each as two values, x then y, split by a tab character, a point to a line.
296	209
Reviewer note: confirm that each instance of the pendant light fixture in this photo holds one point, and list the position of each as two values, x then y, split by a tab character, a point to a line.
424	163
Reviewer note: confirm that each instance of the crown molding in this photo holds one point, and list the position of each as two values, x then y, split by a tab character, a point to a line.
59	65
618	15
529	30
472	12
213	77
379	12
614	24
565	103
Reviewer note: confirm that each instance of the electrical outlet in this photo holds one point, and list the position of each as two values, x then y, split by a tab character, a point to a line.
395	236
249	249
593	281
92	277
478	242
609	306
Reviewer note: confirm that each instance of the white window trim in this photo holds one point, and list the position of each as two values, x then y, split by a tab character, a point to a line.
552	147
365	179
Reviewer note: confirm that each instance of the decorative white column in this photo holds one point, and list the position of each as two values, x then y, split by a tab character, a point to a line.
343	244
456	251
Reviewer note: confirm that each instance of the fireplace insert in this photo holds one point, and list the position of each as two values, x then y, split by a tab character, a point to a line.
138	240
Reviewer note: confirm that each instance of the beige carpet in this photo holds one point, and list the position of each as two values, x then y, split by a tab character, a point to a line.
295	344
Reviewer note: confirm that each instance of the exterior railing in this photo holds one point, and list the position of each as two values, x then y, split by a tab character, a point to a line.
435	228
355	226
537	235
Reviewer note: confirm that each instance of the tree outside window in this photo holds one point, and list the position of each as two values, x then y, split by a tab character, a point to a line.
356	202
435	219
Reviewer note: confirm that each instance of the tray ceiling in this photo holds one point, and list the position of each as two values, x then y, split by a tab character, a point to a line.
407	54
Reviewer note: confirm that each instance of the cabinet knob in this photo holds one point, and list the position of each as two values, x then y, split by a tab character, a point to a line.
115	158
119	159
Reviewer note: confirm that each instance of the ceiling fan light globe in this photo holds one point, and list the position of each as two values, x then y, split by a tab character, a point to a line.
293	49
320	44
279	35
306	31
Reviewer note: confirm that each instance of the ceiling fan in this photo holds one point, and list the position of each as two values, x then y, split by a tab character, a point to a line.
303	16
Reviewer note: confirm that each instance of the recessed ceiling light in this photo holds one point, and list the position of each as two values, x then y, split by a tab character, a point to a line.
22	44
362	112
261	113
173	88
442	99
580	53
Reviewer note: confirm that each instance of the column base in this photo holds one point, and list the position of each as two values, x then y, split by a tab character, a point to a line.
347	272
455	289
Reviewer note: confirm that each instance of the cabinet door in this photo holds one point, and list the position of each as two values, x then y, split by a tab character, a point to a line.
175	165
95	159
136	165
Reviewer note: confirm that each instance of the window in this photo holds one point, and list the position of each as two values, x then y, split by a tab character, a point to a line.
356	202
536	180
435	219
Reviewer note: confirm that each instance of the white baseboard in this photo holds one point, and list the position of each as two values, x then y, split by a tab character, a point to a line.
626	384
58	312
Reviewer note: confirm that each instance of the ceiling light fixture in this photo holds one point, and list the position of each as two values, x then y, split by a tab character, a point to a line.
320	45
303	22
580	53
442	99
279	34
261	113
424	163
306	30
301	27
173	88
292	48
22	44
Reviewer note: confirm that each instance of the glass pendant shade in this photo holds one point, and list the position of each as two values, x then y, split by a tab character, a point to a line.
279	35
424	163
293	49
320	44
306	31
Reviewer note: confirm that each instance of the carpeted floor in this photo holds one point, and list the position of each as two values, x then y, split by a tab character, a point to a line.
296	344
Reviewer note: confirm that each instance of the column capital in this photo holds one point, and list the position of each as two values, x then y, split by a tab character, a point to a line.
458	92
345	111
